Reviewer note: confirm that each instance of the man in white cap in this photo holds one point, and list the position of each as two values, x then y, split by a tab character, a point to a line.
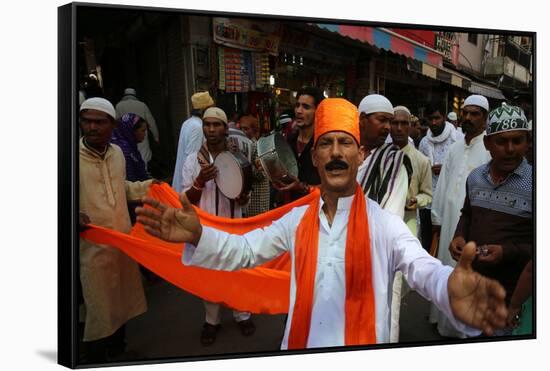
419	195
420	188
384	174
131	104
111	282
464	155
198	183
191	136
453	119
497	212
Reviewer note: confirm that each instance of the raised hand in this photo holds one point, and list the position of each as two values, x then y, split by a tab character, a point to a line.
289	183
476	300
208	172
411	203
169	223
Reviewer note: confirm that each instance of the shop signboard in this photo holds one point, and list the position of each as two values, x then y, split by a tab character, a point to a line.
244	35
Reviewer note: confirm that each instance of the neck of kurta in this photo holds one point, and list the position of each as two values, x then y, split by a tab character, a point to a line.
330	202
215	149
468	138
96	151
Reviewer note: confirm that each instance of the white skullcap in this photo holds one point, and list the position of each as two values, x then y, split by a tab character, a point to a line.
375	103
401	108
452	116
99	104
477	100
130	91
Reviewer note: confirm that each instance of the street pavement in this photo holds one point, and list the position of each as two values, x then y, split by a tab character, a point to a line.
172	325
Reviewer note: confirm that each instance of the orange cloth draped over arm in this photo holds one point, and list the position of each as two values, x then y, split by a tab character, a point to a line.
264	289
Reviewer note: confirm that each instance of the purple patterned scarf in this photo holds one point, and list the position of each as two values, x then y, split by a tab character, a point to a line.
123	136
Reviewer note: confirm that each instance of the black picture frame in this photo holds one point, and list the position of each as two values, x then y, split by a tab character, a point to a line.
68	135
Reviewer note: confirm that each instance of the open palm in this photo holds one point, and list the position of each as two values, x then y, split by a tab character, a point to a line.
169	223
476	300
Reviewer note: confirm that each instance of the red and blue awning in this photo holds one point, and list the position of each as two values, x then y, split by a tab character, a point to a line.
387	40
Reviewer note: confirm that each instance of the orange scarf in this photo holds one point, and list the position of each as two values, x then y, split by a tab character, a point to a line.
359	308
243	290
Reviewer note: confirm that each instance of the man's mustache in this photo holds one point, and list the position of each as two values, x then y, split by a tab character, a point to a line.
336	165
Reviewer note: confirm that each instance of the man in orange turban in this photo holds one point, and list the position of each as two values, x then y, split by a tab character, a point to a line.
344	251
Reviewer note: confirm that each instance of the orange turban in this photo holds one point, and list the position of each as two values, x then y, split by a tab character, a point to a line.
336	114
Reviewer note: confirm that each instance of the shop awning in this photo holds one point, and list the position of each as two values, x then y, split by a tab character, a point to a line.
388	40
441	73
486	90
423	59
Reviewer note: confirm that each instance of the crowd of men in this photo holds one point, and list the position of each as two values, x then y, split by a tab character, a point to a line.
397	206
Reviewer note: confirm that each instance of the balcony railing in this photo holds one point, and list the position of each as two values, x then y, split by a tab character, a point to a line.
496	66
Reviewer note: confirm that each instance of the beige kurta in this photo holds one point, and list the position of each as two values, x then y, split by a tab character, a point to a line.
420	185
111	282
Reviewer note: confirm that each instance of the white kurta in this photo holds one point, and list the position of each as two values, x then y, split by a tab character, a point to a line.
436	148
393	248
190	141
448	200
130	104
190	171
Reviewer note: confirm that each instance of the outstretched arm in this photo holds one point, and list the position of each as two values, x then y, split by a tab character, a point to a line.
214	249
476	300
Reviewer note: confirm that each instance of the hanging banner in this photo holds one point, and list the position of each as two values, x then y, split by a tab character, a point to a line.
240	34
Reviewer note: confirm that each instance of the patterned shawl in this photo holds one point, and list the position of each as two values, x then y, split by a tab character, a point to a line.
382	172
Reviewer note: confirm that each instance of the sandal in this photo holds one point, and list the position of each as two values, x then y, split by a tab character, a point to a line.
247	327
208	335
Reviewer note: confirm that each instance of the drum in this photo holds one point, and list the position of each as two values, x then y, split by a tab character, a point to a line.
277	158
234	174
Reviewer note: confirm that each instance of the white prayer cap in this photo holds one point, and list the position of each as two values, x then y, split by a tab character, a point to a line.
452	116
375	103
401	108
477	100
99	104
130	91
